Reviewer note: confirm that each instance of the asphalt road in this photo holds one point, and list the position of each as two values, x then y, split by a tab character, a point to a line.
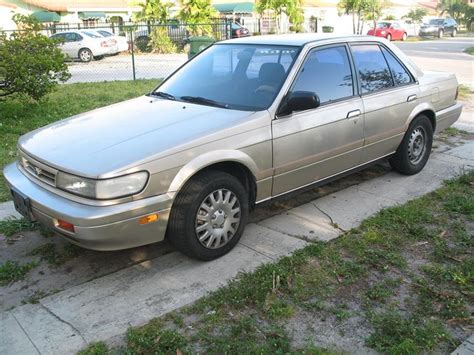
444	55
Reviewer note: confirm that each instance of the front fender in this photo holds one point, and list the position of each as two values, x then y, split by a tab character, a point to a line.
210	158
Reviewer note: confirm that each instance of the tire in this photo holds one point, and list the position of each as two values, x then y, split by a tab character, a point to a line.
194	213
415	148
389	37
405	36
440	34
455	32
85	55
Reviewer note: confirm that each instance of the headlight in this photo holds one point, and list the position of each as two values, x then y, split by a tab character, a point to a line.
383	32
102	189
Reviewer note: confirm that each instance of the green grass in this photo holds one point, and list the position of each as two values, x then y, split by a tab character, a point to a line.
11	226
19	116
11	271
465	92
54	255
99	348
407	272
469	50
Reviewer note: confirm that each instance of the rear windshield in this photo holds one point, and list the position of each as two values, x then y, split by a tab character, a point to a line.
90	34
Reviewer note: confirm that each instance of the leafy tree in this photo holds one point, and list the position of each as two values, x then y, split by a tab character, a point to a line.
155	10
197	14
356	9
30	63
373	9
363	10
415	16
292	8
455	8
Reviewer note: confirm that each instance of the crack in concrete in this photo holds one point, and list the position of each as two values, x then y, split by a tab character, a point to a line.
63	321
333	224
24	331
300	237
257	251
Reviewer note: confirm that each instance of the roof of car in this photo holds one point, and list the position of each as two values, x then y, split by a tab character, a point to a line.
297	39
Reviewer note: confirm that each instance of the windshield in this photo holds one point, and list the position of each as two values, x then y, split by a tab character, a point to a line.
383	25
436	22
235	76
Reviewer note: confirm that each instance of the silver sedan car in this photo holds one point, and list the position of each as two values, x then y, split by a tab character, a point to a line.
243	122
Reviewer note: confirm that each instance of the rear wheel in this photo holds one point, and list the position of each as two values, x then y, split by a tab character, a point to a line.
415	148
209	215
85	55
455	32
405	36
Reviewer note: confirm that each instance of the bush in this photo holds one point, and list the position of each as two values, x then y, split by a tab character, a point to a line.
160	42
30	63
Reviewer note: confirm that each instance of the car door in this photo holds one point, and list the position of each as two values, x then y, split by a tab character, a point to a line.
389	93
396	31
315	144
69	45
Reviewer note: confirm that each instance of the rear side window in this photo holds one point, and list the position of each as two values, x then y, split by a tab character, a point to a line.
327	73
399	73
374	74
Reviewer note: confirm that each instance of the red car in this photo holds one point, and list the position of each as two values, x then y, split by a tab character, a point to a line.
389	30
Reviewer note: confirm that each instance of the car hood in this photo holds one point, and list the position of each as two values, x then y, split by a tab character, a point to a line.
103	141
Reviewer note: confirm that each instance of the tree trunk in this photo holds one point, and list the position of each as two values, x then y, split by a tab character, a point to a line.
353	23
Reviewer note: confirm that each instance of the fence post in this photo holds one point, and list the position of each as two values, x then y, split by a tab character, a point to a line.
132	45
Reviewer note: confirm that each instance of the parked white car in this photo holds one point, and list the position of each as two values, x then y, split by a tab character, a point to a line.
84	45
121	41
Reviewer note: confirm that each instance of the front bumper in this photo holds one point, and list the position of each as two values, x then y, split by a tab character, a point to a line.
429	32
112	227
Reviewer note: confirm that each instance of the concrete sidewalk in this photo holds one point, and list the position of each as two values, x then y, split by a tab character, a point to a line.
105	307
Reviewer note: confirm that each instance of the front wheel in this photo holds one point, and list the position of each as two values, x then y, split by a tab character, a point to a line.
209	215
415	148
440	34
85	55
389	37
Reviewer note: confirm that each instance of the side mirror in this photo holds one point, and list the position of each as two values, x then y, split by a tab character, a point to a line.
300	101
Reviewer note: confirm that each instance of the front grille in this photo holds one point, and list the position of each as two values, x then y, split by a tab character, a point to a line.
38	170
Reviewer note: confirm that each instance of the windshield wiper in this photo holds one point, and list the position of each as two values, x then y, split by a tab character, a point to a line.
162	94
203	101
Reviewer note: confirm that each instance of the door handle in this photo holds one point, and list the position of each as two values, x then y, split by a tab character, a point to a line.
412	98
354	114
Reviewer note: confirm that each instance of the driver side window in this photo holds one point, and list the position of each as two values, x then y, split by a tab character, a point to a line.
327	73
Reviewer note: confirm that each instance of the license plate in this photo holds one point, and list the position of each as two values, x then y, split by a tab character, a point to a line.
22	204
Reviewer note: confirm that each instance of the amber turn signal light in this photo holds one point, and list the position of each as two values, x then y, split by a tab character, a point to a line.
149	219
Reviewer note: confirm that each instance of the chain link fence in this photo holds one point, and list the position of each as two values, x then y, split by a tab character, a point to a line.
133	51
